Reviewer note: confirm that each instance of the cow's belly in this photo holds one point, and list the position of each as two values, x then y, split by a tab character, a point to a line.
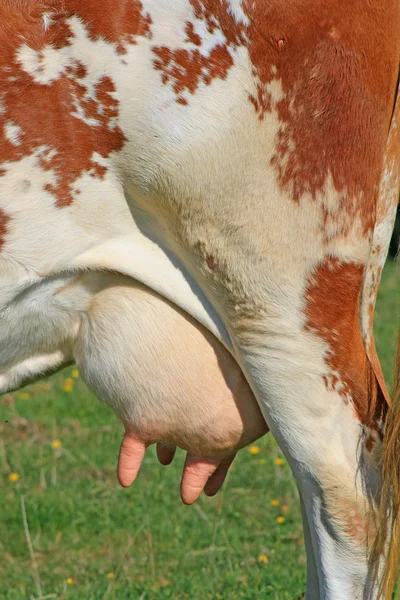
163	374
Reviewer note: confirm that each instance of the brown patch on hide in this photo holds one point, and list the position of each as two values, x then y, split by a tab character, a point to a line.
336	64
192	36
4	219
337	75
116	22
63	140
332	312
185	69
210	260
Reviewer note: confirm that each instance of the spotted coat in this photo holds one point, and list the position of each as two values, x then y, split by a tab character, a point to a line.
242	159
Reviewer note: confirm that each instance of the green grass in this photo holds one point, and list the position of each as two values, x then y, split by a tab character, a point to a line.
83	526
387	318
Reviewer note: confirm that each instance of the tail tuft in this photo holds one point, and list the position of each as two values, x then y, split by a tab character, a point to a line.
388	537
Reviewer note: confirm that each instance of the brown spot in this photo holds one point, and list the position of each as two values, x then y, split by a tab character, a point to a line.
337	85
51	120
121	49
262	102
210	260
81	70
98	171
116	22
4	219
186	69
332	312
192	36
68	163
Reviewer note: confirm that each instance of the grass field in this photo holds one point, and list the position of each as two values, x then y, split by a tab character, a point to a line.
67	530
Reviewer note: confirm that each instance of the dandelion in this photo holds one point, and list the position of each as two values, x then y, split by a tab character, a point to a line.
24	396
280	520
70	581
262	461
68	385
13	477
284	508
263	559
254	450
110	575
56	444
274	502
279	461
75	373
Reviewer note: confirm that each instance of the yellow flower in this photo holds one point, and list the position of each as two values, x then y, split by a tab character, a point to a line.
263	559
13	477
284	508
56	444
274	502
70	581
24	396
68	385
262	461
75	374
279	461
280	520
254	450
110	575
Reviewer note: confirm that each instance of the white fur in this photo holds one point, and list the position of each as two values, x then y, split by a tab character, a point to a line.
13	133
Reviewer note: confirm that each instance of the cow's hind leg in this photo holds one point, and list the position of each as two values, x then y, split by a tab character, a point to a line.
319	395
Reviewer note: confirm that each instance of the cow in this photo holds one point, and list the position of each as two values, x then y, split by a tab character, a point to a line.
240	160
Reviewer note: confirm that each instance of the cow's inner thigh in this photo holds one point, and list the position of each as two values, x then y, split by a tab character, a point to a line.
165	376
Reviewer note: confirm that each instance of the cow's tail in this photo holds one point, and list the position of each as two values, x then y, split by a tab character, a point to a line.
389	519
